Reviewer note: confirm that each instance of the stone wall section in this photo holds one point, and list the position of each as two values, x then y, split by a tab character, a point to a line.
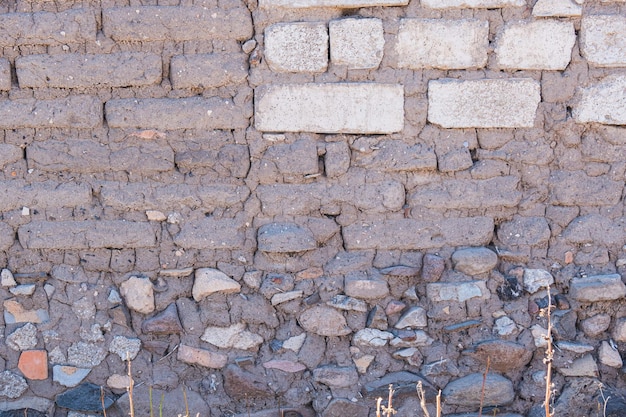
284	206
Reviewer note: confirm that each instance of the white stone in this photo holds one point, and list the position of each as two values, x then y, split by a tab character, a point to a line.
363	363
604	102
155	216
504	326
585	366
283	297
23	289
419	339
297	47
7	279
540	335
557	8
118	381
444	44
138	294
125	347
350	4
609	356
69	376
371	337
330	108
495	103
536	279
478	4
235	336
295	343
603	40
357	43
414	317
253	279
536	45
457	291
210	281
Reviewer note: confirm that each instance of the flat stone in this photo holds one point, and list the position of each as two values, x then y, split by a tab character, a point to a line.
371	337
524	231
341	407
69	376
126	348
394	307
285	366
310	273
176	273
536	279
597	288
432	267
6	278
285	238
457	291
295	343
504	326
474	261
165	322
504	356
297	47
235	336
155	216
118	381
414	317
202	357
367	289
411	355
12	385
416	338
324	321
540	335
363	362
400	271
344	302
350	4
86	398
575	347
596	325
34	364
603	102
23	289
603	40
283	297
377	319
240	384
468	391
584	366
14	312
85	355
557	8
403	382
479	4
211	281
336	376
23	338
138	294
29	403
609	356
619	330
356	43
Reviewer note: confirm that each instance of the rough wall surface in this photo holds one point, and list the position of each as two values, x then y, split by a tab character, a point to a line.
295	203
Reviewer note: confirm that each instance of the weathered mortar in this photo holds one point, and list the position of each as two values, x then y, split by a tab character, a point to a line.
295	203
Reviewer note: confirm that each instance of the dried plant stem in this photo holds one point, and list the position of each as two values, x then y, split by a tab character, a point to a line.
439	404
482	390
131	385
104	410
422	397
548	359
378	401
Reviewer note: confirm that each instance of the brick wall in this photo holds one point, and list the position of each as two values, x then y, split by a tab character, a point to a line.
295	203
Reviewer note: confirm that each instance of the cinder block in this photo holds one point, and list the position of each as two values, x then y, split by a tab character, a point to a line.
117	234
81	112
357	43
575	188
349	4
409	234
478	4
444	44
208	70
170	114
330	108
45	28
15	195
536	45
604	102
297	47
173	23
458	194
603	40
210	233
5	74
558	8
124	69
509	102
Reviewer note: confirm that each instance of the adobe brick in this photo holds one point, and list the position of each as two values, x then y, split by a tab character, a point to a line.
124	69
9	154
603	102
478	4
82	112
45	28
208	70
171	113
173	23
459	194
603	40
297	47
349	4
330	108
443	44
7	235
394	156
118	234
536	45
410	234
15	195
5	74
575	188
492	103
210	233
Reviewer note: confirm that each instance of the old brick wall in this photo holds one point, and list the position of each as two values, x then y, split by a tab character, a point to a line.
293	203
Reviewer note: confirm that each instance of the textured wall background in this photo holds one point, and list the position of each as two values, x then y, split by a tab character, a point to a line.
295	203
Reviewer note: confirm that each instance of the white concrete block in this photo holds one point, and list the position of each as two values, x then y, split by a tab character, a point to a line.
445	44
557	8
537	45
344	4
330	108
357	43
297	47
603	40
509	102
478	4
604	102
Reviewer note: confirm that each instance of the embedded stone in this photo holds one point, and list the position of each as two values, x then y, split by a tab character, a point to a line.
371	337
23	289
502	355
14	312
117	381
366	288
603	40
356	43
414	317
297	47
7	279
557	8
457	291
609	356
210	281
23	338
12	385
584	366
69	376
34	364
336	376
284	238
603	102
202	357
470	391
540	335
474	261
344	302
341	407
596	325
432	267
235	336
86	398
125	347
363	363
377	319
283	297
597	288
536	279
619	331
417	338
294	343
284	365
165	322
138	294
324	321
479	4
85	355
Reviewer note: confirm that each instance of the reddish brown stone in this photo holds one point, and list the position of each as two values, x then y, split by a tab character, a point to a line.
34	364
394	307
432	267
165	322
309	273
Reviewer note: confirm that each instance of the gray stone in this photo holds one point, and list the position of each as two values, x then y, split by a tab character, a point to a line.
84	308
597	288
86	398
208	70
283	297
474	261
240	384
368	289
324	321
371	337
356	43
165	322
503	356
596	325
285	238
125	347
297	47
457	291
344	302
85	355
14	312
210	281
414	317
619	331
295	343
584	366
341	407
377	319
69	376
336	376
23	289
536	279
12	385
574	347
403	382
23	338
138	294
467	391
432	267
7	279
524	231
609	356
235	336
504	326
540	335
